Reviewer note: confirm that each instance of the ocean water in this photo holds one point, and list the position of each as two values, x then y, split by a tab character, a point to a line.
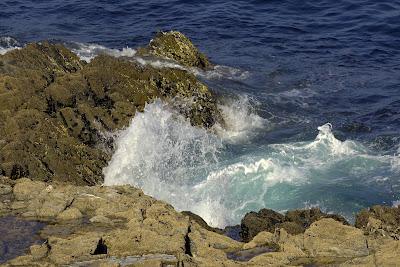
310	91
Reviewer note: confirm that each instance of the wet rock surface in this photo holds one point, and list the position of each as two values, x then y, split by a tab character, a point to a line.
57	112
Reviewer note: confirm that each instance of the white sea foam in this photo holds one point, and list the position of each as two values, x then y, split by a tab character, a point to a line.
159	64
87	52
8	44
241	120
168	158
217	72
221	71
171	160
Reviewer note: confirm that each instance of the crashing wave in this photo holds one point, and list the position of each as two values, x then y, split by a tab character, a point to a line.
241	120
7	44
187	166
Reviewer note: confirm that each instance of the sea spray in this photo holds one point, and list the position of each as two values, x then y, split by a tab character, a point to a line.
187	166
241	120
168	158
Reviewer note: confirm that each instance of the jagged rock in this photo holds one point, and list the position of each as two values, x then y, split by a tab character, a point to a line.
100	219
176	46
380	220
292	227
200	221
302	219
147	231
330	238
256	222
384	252
124	222
294	222
56	109
286	250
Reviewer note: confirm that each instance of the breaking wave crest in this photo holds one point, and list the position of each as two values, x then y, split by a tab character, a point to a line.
241	120
187	166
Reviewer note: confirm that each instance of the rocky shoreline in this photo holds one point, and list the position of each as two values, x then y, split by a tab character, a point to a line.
121	226
57	113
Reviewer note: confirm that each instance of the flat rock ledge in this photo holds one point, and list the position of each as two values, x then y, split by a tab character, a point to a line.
121	226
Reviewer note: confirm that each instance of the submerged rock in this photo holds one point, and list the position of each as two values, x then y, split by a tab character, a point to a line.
176	46
56	111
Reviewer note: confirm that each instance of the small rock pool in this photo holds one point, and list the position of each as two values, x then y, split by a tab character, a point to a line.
17	235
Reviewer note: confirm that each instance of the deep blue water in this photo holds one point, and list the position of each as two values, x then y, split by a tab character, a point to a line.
309	63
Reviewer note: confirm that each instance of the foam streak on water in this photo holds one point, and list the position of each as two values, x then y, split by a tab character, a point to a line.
87	52
8	44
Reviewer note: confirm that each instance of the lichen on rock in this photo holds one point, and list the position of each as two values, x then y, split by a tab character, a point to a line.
56	111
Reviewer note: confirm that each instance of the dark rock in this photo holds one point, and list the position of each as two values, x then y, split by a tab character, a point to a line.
294	222
292	227
255	222
304	218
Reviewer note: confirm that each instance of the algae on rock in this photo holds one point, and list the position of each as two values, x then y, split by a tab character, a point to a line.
176	46
55	110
